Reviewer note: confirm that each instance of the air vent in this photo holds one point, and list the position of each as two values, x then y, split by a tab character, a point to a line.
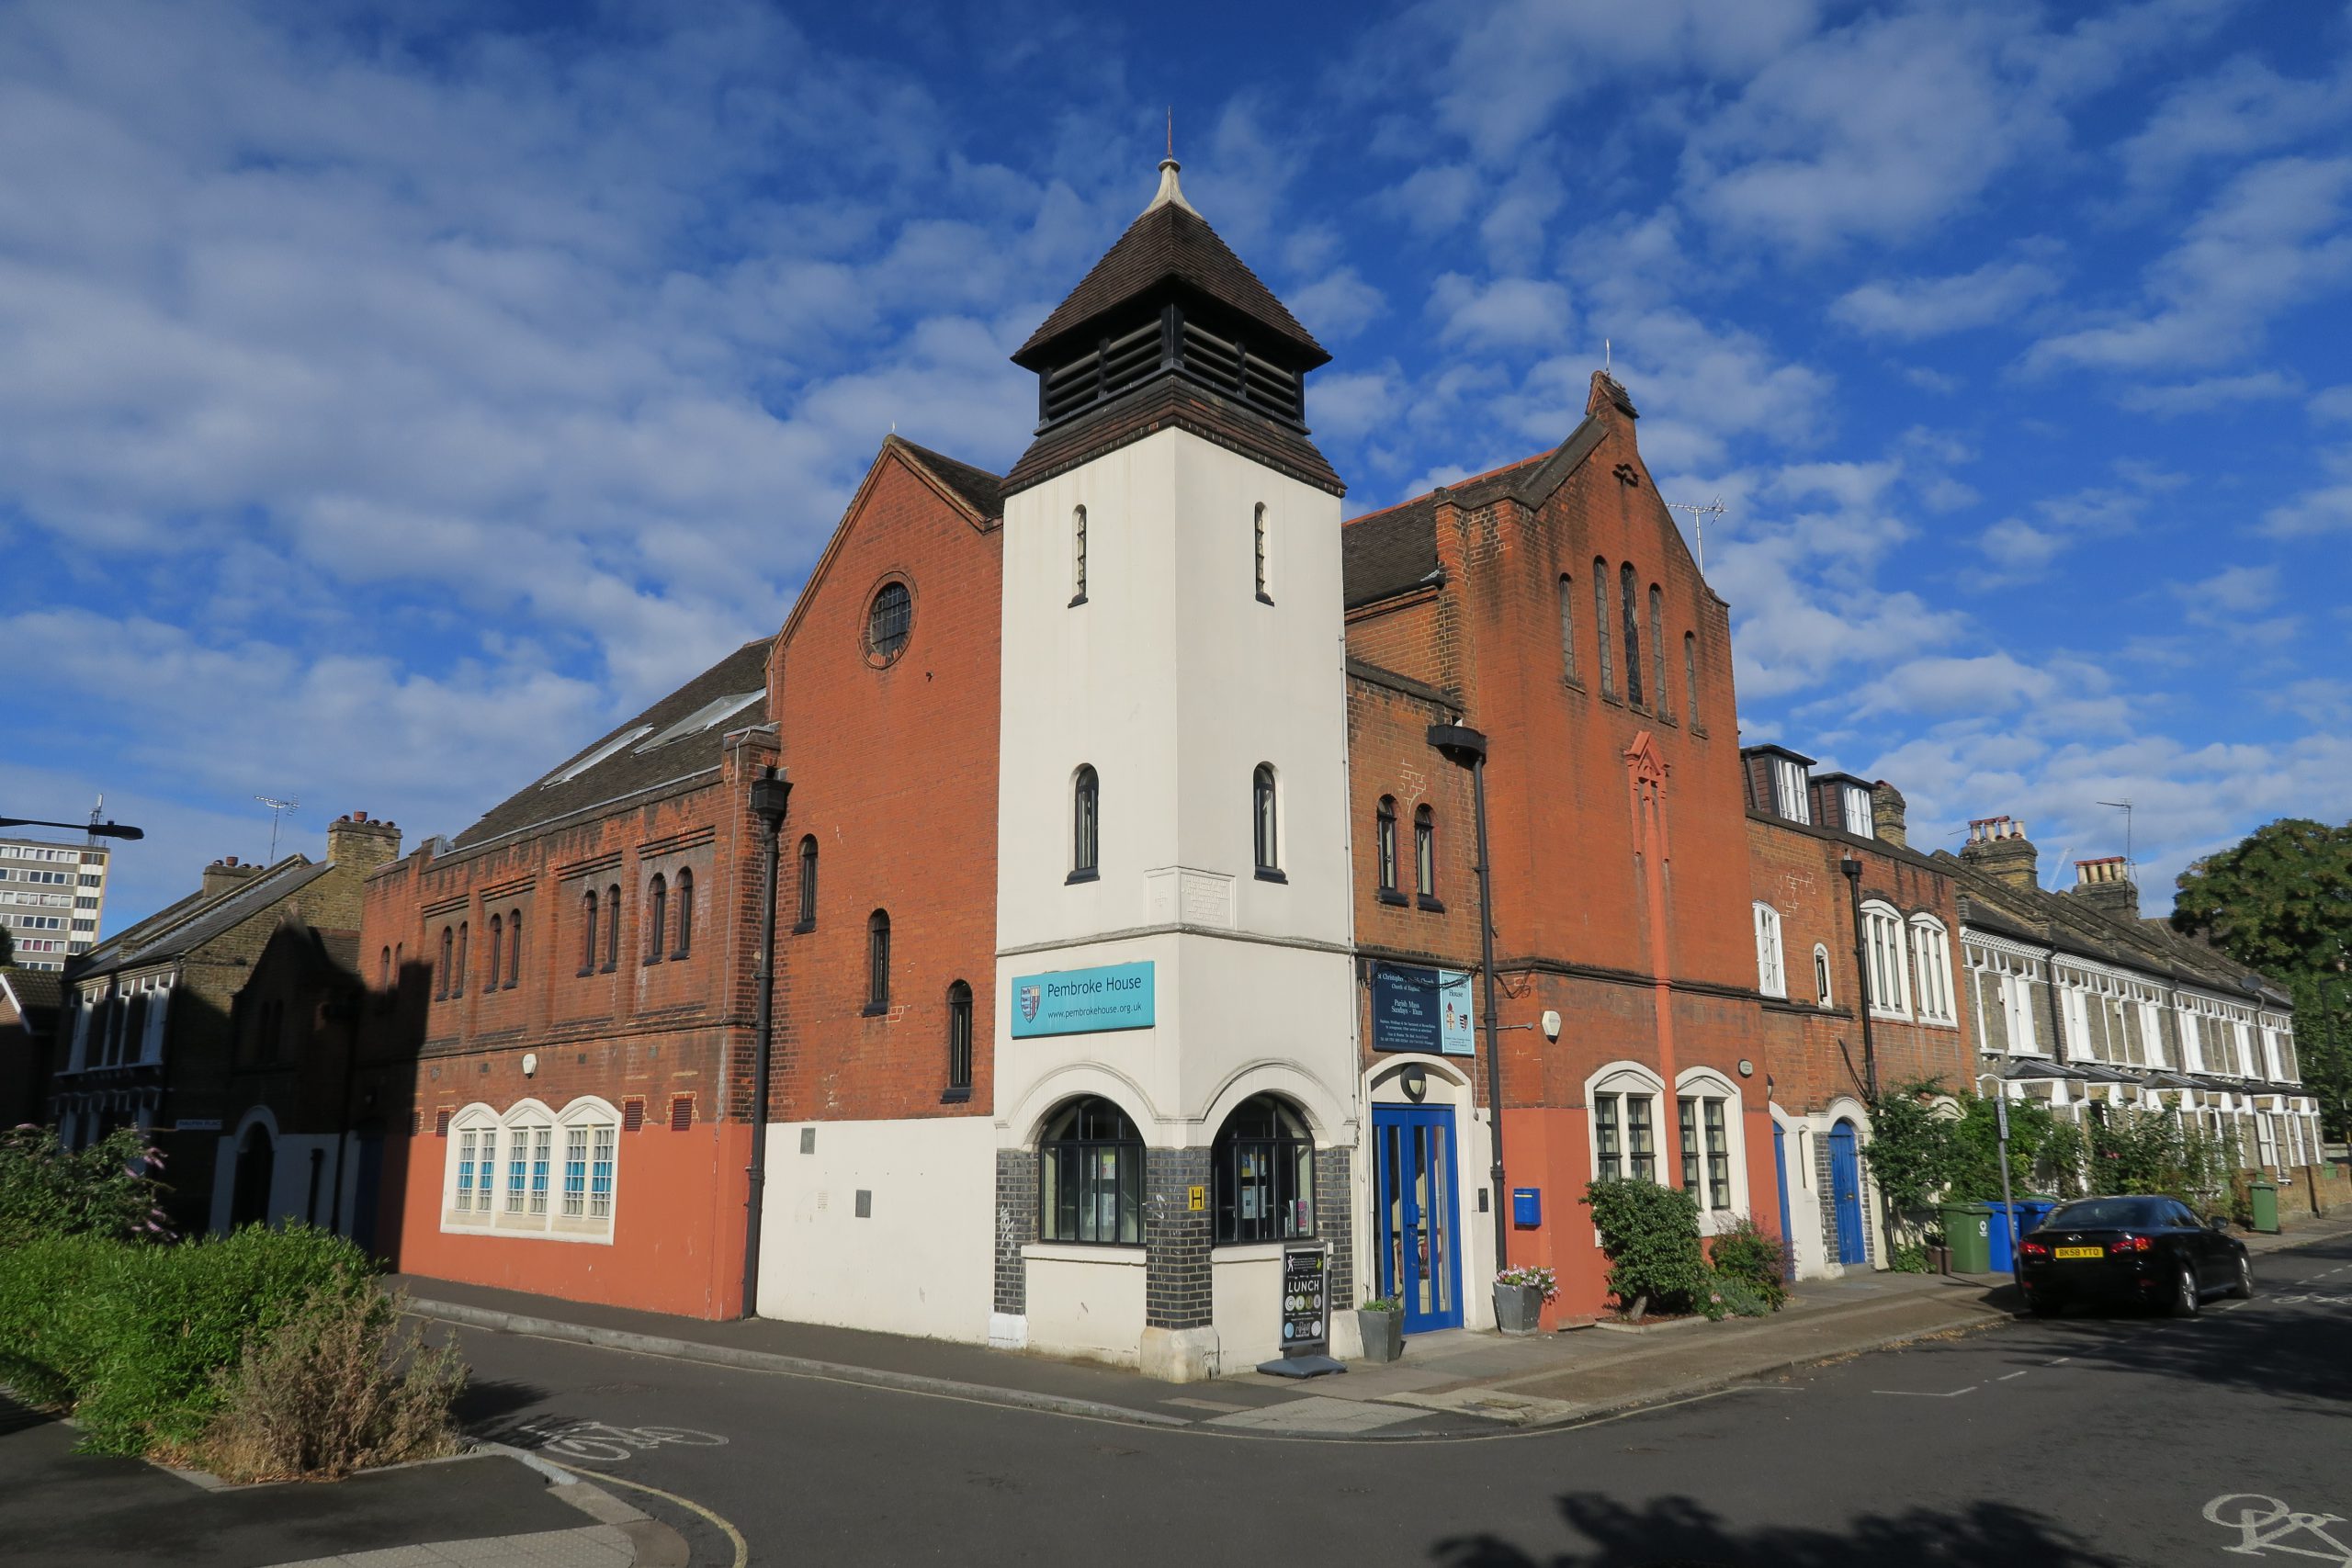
682	1113
441	1120
632	1115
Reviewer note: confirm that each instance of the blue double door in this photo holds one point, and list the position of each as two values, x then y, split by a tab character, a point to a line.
1414	1196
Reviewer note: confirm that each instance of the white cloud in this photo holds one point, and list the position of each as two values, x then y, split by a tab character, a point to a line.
1338	306
1502	313
2244	108
2212	392
2275	238
1911	308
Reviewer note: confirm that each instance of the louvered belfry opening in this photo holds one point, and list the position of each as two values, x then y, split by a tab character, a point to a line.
1171	299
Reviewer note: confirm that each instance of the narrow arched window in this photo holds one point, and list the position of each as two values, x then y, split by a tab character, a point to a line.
514	947
1820	975
1772	978
959	1036
657	916
1425	851
1257	533
458	970
588	933
877	962
807	920
1085	824
1630	611
1567	626
1691	675
685	897
1601	626
1265	834
497	951
1658	653
384	971
448	956
1384	841
613	927
1078	556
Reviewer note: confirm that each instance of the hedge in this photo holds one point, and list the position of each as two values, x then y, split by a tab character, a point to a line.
129	1337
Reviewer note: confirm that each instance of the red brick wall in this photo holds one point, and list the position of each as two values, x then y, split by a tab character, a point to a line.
894	771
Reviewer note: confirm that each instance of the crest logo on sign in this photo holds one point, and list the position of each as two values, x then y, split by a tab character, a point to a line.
1030	997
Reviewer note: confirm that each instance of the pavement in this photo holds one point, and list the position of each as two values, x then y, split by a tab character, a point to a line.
2089	1441
492	1508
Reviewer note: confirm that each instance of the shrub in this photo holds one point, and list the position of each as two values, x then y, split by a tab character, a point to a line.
110	1189
1748	1254
1737	1294
1651	1236
131	1337
338	1387
1906	1259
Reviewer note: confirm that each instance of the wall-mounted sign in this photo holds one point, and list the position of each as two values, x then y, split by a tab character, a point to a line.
197	1124
1083	1001
1422	1009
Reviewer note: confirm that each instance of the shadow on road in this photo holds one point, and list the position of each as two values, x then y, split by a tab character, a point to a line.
1676	1533
487	1410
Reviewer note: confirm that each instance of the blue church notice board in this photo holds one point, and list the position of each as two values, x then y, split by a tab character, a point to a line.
1083	1001
1422	1009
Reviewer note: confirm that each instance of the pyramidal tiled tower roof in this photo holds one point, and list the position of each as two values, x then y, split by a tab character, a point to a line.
1169	242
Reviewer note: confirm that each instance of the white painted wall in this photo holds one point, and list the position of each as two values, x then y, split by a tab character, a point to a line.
1086	1301
1246	1291
923	1263
289	1185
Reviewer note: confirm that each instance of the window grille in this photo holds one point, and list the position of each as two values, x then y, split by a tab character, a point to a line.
959	1036
1629	605
877	962
889	620
1089	1177
1263	1166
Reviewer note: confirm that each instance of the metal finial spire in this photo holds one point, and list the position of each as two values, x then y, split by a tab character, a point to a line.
1171	130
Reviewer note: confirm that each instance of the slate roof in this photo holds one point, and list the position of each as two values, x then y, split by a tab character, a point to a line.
982	491
637	764
2074	925
188	925
1390	551
38	995
1169	242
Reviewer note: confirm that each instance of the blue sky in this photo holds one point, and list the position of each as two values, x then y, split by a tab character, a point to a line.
393	400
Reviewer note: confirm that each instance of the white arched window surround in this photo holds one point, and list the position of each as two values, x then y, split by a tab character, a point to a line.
1822	992
1716	1142
1889	957
1771	969
1626	1116
1931	953
533	1172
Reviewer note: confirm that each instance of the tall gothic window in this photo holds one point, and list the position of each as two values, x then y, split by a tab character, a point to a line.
613	927
1691	675
1568	626
1257	536
1078	556
1658	653
1425	851
1629	604
684	895
458	970
514	947
808	881
588	932
497	950
657	917
877	962
1601	626
959	1036
1383	840
448	956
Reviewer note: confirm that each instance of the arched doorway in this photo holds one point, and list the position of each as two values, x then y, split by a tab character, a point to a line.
1846	1191
256	1168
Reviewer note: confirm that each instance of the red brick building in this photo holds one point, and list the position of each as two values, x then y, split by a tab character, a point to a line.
1857	958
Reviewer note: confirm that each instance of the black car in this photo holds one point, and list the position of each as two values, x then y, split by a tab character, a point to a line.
2149	1251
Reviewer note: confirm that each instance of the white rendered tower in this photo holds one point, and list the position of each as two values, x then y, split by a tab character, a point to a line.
1173	905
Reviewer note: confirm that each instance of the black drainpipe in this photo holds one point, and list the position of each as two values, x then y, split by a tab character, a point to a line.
769	796
1460	743
1852	867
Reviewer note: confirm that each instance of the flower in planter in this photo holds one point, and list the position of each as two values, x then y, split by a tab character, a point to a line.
1535	1274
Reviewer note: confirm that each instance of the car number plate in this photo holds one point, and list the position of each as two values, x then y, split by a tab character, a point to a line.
2082	1252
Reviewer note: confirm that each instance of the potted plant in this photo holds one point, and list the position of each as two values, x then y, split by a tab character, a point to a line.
1382	1320
1520	1295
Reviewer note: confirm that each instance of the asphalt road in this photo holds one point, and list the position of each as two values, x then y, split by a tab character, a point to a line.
2031	1444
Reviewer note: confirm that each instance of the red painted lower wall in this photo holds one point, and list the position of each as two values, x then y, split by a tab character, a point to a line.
677	1242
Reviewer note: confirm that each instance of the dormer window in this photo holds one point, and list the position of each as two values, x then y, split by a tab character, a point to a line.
1857	801
1789	791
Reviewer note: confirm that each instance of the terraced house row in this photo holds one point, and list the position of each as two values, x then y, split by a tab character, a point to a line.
1116	870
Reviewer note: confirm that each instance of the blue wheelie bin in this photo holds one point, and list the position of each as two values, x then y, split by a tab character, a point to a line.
2033	1213
2001	1233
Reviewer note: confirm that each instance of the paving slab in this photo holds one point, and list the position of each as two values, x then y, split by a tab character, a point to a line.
1316	1417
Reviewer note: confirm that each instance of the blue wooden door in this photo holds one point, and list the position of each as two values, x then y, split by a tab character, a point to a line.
1413	1163
1780	1170
1846	1192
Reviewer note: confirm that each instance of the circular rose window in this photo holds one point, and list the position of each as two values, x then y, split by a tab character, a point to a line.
888	621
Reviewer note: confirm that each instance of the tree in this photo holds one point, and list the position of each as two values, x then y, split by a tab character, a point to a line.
2280	901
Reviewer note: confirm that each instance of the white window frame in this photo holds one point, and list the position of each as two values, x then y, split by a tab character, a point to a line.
1718	1212
531	1140
1931	953
1789	793
1890	961
1859	819
1825	987
1624	1081
1772	966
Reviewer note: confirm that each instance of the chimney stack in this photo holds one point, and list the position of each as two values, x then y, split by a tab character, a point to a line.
1886	814
354	840
2106	883
1998	847
225	873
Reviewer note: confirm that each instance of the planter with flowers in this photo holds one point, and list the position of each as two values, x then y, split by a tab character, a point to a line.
1520	1295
